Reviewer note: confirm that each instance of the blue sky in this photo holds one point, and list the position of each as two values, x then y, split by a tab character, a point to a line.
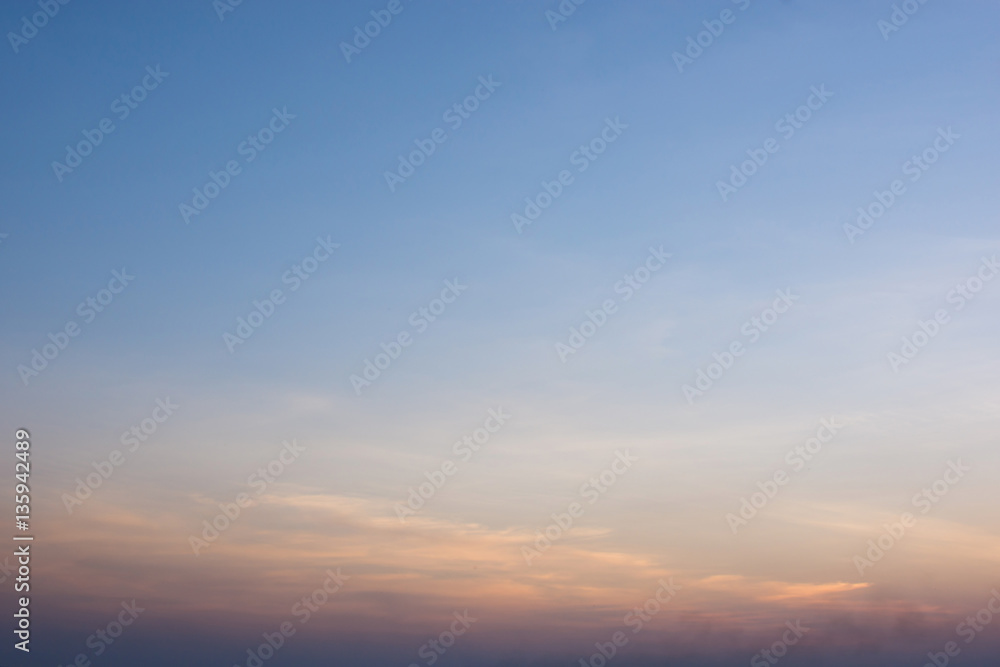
655	185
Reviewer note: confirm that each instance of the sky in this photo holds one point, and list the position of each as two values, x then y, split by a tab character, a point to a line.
646	333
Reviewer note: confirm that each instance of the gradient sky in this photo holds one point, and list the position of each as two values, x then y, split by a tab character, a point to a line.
495	346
